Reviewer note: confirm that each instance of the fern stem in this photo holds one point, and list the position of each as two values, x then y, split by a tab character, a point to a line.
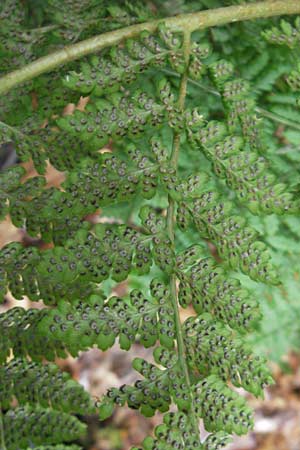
13	129
263	112
2	441
185	22
44	29
171	233
278	118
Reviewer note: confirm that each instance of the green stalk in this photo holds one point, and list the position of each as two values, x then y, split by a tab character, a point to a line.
263	112
2	441
171	234
278	118
183	22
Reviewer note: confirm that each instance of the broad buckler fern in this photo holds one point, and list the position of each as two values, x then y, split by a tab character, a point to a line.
175	141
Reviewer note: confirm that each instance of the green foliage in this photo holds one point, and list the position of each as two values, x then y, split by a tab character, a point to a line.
286	34
26	425
32	383
227	188
56	447
177	432
278	332
218	294
50	332
224	354
294	79
104	75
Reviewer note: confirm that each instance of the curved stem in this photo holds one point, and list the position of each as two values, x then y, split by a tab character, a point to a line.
171	233
184	22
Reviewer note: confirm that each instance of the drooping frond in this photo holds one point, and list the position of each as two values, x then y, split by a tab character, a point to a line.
176	143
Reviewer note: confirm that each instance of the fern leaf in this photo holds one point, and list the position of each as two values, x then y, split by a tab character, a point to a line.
33	383
207	286
25	426
177	432
210	348
121	65
97	322
195	362
245	171
294	79
286	34
214	400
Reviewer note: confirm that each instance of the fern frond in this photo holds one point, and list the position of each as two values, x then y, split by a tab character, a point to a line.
25	426
236	242
144	174
209	288
100	323
97	321
244	170
33	383
90	257
121	115
105	74
286	34
210	348
214	399
294	79
177	432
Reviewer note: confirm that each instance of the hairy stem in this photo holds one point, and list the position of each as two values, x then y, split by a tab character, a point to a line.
171	233
184	22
